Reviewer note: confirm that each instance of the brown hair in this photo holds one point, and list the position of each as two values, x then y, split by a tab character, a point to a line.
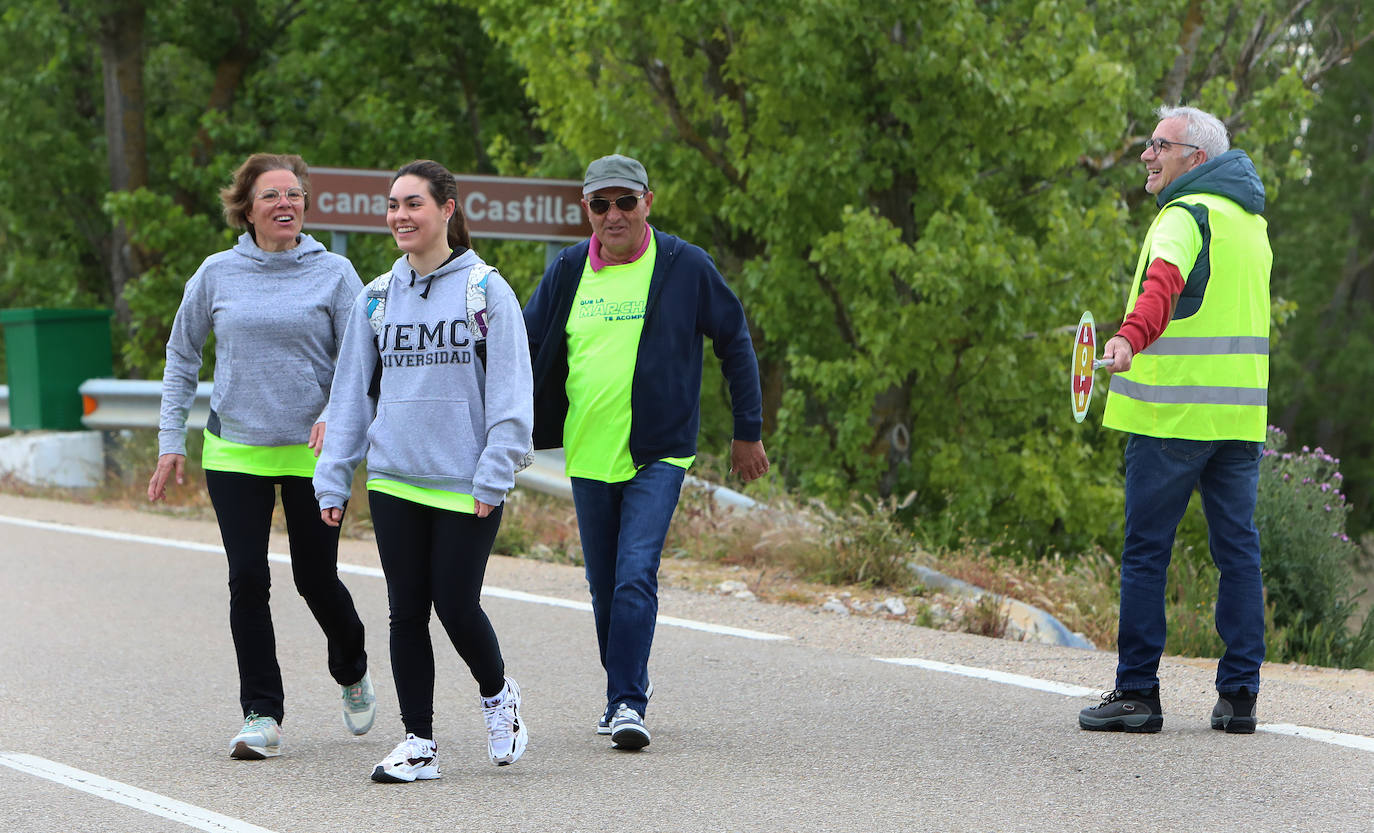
238	196
443	187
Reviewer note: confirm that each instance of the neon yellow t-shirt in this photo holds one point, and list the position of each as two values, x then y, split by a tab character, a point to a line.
436	498
263	460
604	327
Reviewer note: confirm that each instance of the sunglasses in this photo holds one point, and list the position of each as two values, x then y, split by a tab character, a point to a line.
625	202
1161	145
294	195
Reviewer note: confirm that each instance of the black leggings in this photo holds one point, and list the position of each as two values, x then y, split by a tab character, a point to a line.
243	505
434	557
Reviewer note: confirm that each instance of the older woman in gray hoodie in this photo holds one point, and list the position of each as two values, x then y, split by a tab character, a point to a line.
277	303
434	388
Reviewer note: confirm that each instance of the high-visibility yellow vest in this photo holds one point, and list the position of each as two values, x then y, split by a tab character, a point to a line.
1207	376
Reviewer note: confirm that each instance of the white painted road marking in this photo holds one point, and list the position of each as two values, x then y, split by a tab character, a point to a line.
1308	733
374	572
995	676
149	802
1323	735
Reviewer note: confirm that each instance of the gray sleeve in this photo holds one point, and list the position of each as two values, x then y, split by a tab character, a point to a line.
190	328
351	410
509	395
344	293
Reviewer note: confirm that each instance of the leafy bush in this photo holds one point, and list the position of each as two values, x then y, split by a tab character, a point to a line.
1309	558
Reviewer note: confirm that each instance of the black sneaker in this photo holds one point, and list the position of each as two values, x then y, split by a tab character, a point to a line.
1124	711
603	726
628	730
1235	712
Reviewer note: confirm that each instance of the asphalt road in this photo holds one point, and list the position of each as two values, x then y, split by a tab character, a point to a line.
117	678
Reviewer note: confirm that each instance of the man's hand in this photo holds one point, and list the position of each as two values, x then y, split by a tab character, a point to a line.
1119	351
748	460
166	465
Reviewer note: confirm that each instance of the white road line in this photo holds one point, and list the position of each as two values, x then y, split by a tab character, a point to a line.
995	676
1306	732
149	802
374	572
1323	735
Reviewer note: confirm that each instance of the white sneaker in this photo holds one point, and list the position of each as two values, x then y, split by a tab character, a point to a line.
507	734
259	738
603	726
359	705
413	759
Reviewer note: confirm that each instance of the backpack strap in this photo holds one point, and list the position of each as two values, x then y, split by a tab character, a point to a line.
376	301
477	329
477	309
376	316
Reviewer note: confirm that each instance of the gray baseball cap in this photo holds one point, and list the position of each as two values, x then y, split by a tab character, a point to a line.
615	171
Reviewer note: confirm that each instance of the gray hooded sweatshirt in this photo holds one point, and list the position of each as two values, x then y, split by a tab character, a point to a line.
278	319
439	419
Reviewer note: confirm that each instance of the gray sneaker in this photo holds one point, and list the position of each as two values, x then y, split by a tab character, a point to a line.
1235	712
359	705
628	730
259	738
1124	711
603	726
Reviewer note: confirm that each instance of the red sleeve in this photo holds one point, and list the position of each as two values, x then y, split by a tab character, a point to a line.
1154	307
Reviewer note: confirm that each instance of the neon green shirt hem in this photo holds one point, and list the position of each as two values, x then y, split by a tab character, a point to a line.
436	498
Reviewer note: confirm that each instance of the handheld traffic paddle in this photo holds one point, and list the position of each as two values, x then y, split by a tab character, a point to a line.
1085	361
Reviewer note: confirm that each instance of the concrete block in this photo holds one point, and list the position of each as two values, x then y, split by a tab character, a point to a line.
69	459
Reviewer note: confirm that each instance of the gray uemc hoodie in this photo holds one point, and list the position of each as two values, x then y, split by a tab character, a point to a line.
278	319
439	421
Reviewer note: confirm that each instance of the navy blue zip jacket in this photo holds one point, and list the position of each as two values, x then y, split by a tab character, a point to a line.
688	299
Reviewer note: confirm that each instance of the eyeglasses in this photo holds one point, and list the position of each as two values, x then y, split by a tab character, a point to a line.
1161	145
294	195
625	202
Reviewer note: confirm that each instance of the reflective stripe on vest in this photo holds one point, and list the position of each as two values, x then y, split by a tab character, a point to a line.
1207	376
1190	394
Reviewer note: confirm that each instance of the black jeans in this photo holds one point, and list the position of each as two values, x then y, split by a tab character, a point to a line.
435	558
243	505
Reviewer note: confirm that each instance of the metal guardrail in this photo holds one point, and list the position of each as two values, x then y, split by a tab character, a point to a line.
4	407
110	404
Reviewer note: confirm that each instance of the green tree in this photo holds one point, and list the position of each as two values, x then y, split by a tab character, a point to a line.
916	201
192	87
1324	257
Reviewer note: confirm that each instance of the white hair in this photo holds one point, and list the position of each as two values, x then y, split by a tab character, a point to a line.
1204	129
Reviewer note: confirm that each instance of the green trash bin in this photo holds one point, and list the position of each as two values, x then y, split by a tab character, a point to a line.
50	352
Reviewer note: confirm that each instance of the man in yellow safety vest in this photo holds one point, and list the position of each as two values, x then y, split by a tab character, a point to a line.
1190	387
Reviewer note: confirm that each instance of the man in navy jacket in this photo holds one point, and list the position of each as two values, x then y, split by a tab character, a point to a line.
616	332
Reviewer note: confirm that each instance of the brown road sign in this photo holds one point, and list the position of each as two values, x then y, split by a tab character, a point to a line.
354	199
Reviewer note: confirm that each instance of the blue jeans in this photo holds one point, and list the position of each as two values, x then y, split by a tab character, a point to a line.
623	526
1160	477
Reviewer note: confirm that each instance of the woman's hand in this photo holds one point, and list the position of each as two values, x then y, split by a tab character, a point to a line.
316	443
483	509
166	464
332	516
